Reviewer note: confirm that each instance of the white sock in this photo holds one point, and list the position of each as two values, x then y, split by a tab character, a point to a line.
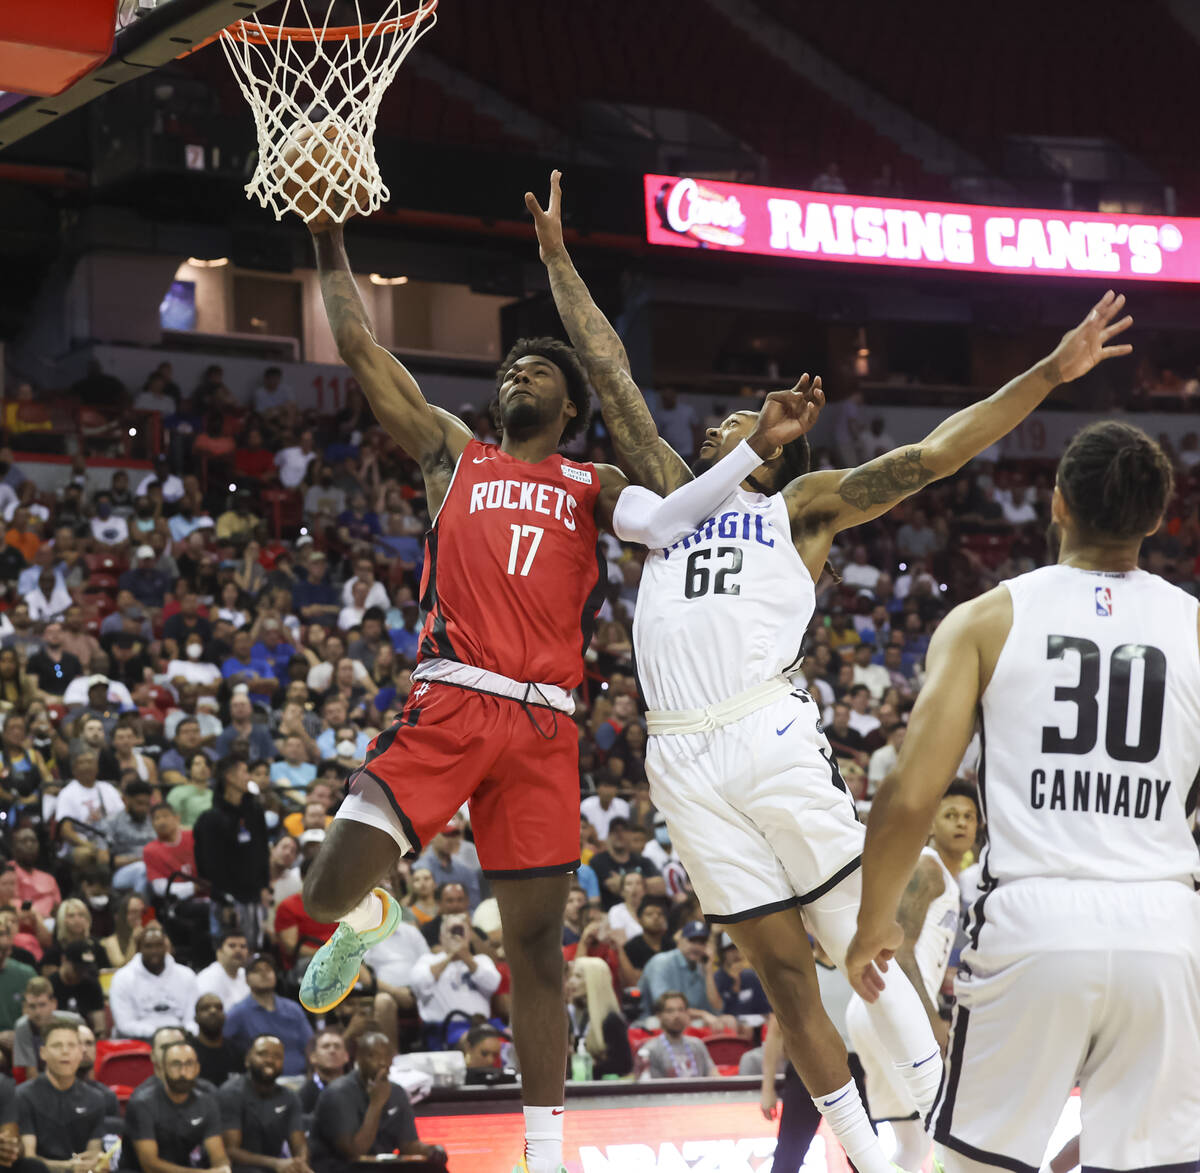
844	1110
923	1077
366	916
912	1144
900	1020
543	1139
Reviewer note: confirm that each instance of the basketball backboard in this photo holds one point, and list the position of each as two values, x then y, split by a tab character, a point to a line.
149	34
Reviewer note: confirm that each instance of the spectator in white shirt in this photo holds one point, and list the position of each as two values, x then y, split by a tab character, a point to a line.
171	485
272	400
875	676
320	676
392	961
193	668
883	760
623	917
87	803
351	616
226	977
858	572
1019	509
861	720
49	599
79	692
454	977
153	990
108	528
154	397
602	807
364	571
293	462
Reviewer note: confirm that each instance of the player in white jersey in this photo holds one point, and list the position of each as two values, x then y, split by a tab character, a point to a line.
1084	955
737	758
929	914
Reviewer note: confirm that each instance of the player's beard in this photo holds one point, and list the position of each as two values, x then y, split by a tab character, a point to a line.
702	464
523	419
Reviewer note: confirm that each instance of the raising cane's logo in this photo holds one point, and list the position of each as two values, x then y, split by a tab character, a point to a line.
711	219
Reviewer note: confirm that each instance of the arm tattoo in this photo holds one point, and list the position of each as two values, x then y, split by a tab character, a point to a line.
916	900
339	290
888	479
628	419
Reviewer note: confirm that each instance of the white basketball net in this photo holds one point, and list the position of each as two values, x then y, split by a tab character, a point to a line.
313	97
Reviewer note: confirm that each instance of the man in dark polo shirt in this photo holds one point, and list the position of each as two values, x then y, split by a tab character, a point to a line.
364	1113
258	1117
170	1127
60	1116
159	1042
219	1058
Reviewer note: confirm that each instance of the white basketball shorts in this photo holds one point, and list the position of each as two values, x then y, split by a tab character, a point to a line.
757	810
1107	996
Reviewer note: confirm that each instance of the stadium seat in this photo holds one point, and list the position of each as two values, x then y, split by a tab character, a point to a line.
727	1049
123	1061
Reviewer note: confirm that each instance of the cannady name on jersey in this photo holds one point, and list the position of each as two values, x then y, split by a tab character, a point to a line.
1103	794
746	526
525	496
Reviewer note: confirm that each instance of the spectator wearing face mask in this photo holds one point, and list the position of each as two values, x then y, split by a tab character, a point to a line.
193	668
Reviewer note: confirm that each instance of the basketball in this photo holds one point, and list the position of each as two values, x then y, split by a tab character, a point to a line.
318	183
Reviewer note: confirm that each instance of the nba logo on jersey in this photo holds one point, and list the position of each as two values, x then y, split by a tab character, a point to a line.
1104	602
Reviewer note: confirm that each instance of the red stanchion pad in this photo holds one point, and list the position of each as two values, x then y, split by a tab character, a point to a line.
45	47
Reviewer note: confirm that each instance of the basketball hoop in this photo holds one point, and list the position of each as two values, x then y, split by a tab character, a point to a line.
314	91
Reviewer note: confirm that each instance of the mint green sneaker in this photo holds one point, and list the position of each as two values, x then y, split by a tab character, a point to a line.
333	971
523	1168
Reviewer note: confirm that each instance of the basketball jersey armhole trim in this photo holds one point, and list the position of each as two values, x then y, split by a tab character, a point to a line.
450	487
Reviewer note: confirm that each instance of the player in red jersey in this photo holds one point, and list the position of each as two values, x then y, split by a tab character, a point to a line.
512	581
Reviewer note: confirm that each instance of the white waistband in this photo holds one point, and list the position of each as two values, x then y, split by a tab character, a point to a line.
722	713
549	696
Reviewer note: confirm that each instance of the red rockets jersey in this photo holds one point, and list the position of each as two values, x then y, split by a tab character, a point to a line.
513	577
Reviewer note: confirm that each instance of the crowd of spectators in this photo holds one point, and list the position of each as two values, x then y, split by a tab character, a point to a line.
184	688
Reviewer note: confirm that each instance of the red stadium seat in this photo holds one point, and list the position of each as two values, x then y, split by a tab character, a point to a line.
123	1061
726	1049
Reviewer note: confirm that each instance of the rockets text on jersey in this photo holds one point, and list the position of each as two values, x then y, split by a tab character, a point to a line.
512	577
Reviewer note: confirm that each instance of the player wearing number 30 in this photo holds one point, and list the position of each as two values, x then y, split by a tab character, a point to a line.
1084	954
737	760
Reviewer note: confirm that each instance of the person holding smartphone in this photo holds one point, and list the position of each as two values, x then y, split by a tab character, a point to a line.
453	978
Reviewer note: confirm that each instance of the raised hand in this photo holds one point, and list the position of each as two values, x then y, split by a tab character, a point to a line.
868	956
548	223
787	415
1087	345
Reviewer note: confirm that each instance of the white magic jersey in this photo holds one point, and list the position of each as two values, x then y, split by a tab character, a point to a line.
932	948
1091	731
724	609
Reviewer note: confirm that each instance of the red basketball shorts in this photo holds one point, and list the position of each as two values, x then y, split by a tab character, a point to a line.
518	766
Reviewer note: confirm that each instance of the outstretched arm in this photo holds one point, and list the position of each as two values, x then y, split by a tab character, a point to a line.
434	438
638	514
847	497
646	457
